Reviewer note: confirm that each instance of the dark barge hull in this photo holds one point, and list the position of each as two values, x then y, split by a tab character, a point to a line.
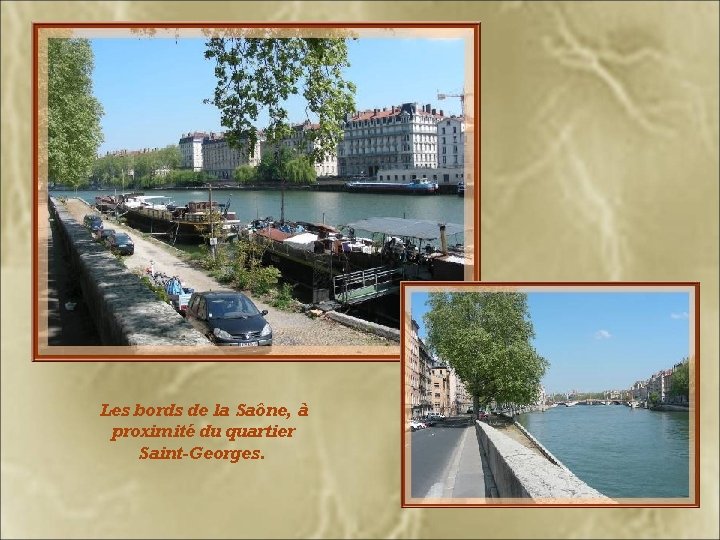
159	222
381	187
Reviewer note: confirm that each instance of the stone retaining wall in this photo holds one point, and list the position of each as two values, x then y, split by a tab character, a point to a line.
125	311
365	326
520	472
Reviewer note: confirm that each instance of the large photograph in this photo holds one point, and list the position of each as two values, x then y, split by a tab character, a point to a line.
252	190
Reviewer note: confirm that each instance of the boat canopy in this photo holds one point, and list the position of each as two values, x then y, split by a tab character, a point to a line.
415	228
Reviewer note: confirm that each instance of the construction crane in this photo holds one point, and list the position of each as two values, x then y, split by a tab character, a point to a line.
462	100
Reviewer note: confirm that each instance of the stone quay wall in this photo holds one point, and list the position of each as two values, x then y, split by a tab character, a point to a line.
125	310
521	473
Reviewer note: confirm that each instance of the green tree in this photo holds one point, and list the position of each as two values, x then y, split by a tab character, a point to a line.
680	381
654	399
486	339
245	174
74	133
258	74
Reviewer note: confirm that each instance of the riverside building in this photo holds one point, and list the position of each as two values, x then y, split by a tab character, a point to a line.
401	138
191	150
220	160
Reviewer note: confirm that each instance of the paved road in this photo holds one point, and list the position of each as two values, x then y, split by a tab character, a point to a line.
288	328
431	452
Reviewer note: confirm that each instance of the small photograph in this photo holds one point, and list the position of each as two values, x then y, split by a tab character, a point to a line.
294	171
550	394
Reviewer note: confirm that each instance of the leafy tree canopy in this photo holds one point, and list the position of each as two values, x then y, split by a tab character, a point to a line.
245	174
286	165
74	133
486	339
258	74
680	381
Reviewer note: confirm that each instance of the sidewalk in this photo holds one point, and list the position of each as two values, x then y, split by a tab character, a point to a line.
468	475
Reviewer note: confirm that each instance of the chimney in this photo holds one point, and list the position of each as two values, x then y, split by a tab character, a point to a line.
434	112
375	111
427	108
441	113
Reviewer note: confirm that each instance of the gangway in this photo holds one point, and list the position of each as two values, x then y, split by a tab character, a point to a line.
362	285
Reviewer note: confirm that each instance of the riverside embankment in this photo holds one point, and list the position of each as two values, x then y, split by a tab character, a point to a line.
293	332
523	469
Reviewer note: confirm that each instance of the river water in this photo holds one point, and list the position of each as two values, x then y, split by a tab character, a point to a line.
329	207
621	452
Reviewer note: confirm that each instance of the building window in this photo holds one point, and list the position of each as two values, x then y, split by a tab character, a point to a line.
443	132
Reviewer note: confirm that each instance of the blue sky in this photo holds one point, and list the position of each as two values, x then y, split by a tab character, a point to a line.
601	340
152	89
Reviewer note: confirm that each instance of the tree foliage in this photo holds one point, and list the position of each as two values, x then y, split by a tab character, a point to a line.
245	174
258	74
145	169
486	339
286	165
74	132
680	381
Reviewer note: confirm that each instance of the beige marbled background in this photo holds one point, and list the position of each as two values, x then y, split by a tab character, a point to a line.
599	162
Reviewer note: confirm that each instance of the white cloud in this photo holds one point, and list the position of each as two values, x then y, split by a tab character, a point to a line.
682	315
603	334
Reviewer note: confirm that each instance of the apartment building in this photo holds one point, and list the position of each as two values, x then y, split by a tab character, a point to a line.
191	150
399	137
220	160
412	370
460	398
451	150
441	389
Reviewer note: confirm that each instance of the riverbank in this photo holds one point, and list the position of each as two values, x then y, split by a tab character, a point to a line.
293	333
330	185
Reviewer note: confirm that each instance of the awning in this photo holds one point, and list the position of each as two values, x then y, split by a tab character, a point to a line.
415	228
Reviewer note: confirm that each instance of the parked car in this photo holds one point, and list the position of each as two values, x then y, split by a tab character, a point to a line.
470	410
483	415
121	243
435	417
229	318
93	222
415	425
103	235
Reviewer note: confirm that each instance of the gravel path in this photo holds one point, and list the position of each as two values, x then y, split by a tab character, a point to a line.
288	328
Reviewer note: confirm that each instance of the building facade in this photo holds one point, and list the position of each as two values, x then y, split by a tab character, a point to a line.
460	398
403	137
220	160
191	150
441	389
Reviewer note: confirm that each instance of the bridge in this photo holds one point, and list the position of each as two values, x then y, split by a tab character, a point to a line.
359	286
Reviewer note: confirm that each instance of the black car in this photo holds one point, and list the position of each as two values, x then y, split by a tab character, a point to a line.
229	318
121	243
93	222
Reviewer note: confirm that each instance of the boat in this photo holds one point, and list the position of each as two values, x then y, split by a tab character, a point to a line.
195	222
461	188
419	187
339	262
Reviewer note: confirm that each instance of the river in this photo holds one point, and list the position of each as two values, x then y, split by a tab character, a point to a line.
621	452
329	207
